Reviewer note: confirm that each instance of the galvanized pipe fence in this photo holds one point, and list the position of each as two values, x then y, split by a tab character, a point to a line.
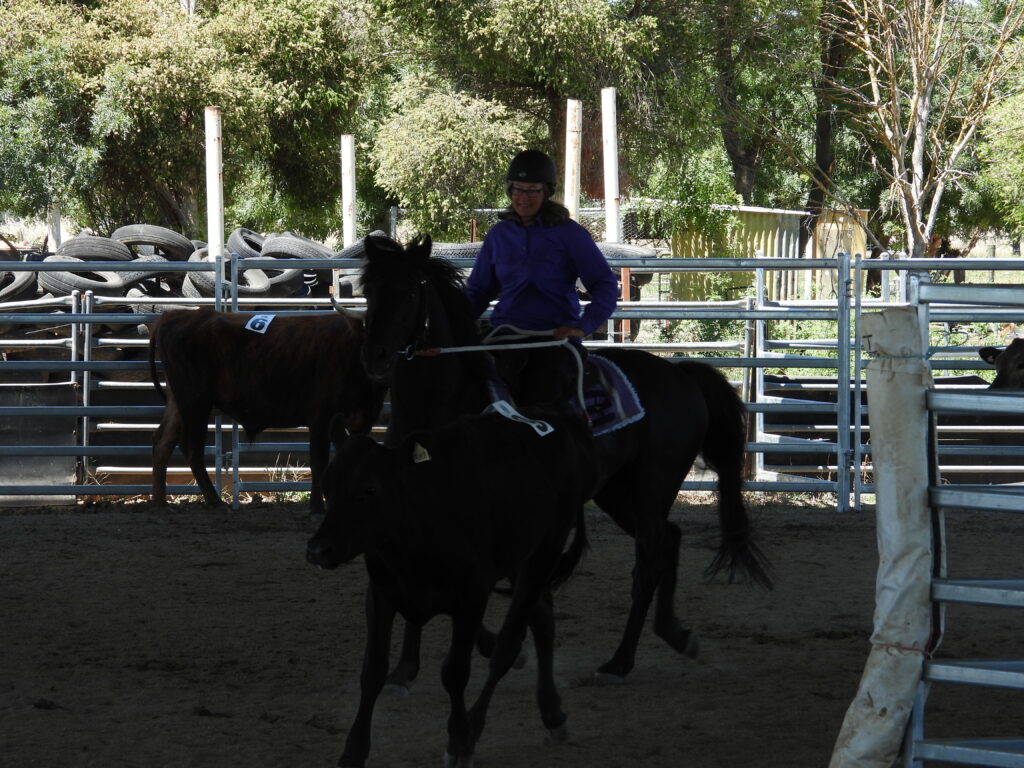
823	421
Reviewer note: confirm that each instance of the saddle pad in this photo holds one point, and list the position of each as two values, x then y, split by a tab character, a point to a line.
610	398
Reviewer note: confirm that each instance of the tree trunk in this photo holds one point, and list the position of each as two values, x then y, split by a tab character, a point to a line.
832	54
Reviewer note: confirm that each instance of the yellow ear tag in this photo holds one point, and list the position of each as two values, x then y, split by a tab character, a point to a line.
419	454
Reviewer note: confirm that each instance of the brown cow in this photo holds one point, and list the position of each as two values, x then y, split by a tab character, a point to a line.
1009	364
263	371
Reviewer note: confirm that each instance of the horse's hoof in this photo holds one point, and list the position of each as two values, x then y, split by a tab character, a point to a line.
451	761
558	735
608	678
692	648
396	689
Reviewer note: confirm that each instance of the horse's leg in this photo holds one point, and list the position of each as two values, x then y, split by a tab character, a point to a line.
455	676
636	509
666	625
380	615
408	666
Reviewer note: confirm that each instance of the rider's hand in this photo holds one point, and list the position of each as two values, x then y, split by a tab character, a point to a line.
566	332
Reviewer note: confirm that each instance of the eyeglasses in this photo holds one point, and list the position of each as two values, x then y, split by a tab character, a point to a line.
525	191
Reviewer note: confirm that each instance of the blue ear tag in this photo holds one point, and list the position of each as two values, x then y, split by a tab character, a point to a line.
506	409
259	323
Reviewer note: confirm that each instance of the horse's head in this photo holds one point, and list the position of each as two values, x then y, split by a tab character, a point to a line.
394	285
413	302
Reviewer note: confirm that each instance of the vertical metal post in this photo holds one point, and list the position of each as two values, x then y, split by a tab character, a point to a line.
75	331
89	308
858	399
843	453
760	335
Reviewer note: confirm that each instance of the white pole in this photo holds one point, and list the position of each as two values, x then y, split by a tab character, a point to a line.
53	227
898	380
214	185
573	148
609	131
348	189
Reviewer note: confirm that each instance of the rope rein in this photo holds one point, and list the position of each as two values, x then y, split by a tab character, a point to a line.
491	344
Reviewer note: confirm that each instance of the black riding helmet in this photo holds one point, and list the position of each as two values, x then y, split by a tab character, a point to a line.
534	166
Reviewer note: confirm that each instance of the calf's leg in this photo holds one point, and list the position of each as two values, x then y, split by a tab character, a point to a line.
531	605
193	445
455	676
164	440
380	615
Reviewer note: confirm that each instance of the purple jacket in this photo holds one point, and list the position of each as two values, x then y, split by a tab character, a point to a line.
532	271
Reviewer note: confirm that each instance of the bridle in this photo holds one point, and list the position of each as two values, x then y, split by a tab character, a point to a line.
422	327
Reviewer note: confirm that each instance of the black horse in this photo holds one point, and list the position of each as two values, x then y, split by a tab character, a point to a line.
415	304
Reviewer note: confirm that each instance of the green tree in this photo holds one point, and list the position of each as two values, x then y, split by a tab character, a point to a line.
443	152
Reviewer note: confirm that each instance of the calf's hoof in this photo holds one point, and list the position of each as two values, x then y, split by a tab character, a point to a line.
608	678
558	735
454	761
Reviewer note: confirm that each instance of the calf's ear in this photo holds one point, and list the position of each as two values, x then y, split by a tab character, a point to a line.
988	354
337	430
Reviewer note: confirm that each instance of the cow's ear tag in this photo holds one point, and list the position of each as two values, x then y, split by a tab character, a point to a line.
419	454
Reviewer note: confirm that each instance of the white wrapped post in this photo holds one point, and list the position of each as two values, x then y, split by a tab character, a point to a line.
610	137
898	380
348	190
573	149
214	185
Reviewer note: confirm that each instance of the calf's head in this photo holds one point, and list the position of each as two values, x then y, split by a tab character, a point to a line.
1009	364
353	485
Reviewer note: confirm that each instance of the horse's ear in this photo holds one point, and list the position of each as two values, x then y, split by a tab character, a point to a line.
988	354
420	247
378	244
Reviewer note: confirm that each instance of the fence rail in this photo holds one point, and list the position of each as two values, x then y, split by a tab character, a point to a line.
805	436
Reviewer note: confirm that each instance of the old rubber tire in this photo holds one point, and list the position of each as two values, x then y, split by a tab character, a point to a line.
254	282
94	248
456	250
171	244
245	243
17	286
63	283
289	246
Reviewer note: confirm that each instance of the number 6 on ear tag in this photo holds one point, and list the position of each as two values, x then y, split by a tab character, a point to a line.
259	323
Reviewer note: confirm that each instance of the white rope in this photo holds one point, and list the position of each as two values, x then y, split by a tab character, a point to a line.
519	333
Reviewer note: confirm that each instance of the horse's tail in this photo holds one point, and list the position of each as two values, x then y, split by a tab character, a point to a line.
571	557
723	451
154	336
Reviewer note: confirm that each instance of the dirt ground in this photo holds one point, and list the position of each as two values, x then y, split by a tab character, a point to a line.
136	637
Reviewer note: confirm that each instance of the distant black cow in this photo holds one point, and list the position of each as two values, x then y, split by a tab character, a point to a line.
285	371
1009	364
441	518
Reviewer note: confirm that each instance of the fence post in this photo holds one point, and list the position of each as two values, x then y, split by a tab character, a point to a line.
843	411
573	138
214	185
898	380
